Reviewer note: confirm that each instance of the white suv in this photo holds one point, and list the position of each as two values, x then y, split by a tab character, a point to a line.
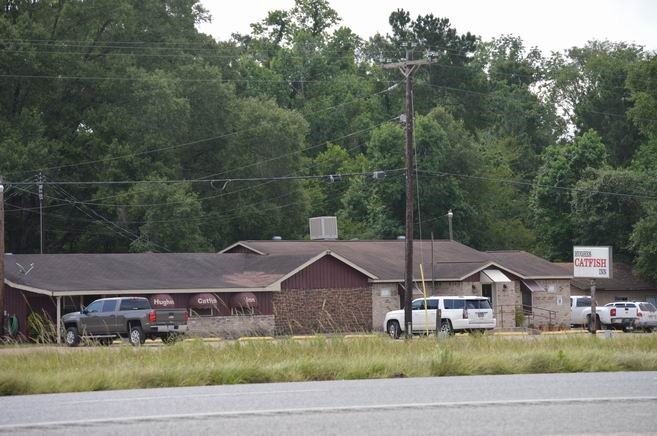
457	314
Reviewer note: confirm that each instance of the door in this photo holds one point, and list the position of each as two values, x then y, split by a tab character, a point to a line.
90	319
108	313
418	315
487	291
526	300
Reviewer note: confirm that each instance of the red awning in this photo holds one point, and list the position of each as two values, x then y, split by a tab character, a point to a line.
203	301
162	301
244	300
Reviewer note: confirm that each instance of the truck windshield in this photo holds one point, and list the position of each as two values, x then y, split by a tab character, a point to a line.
584	302
135	304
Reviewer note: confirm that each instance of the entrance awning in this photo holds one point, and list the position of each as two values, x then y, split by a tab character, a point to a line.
162	301
493	276
243	300
532	286
203	301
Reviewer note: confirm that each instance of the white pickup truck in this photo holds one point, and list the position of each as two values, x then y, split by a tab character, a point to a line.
471	313
618	315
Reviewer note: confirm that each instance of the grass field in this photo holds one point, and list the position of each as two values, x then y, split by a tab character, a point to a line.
193	363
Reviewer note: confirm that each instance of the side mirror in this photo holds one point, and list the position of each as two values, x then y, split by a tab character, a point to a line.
84	311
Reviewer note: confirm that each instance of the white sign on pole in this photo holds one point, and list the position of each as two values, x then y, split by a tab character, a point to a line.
592	262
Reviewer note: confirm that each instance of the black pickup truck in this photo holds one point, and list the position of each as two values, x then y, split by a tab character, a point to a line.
131	317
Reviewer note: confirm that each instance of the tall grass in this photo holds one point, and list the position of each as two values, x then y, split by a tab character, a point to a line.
194	363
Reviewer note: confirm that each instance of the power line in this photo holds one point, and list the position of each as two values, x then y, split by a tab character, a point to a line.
532	184
221	136
121	231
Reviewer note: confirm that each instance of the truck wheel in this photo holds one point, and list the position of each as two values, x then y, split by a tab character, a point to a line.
72	337
136	336
393	329
446	328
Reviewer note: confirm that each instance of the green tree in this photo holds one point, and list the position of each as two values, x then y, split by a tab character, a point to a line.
551	197
605	207
590	85
168	218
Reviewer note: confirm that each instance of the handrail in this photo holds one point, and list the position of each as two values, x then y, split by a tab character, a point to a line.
531	312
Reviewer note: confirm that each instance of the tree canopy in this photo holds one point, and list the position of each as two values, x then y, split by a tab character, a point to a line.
148	135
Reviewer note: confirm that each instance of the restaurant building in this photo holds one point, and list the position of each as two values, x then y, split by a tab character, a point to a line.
290	287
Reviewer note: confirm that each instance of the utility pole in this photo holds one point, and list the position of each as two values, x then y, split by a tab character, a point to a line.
2	258
40	186
407	69
449	219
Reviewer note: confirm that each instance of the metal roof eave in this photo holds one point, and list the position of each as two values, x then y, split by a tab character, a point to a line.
479	269
29	288
53	293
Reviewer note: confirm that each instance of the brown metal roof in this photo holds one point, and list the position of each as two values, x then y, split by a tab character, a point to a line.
623	279
527	265
452	260
166	272
148	271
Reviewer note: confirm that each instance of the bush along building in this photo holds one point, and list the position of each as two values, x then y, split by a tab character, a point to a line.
289	287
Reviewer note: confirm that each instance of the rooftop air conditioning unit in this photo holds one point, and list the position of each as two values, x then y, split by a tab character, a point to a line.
323	227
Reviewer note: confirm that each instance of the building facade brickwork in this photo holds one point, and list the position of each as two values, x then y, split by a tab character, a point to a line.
310	311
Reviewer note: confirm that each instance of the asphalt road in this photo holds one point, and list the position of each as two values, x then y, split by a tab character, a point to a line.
591	403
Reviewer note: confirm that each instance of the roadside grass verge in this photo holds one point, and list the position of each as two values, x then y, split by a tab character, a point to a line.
196	363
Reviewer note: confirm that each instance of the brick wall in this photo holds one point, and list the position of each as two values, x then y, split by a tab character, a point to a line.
505	300
557	299
231	326
385	298
309	311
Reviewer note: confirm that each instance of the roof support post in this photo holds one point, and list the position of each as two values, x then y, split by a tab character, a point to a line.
59	319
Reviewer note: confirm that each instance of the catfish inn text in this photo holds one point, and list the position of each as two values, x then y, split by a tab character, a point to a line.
592	262
587	261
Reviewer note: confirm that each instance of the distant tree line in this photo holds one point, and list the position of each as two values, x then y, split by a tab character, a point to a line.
530	151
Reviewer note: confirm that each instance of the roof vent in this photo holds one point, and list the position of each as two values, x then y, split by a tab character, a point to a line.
323	227
276	238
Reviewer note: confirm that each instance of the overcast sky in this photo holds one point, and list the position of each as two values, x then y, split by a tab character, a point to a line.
552	25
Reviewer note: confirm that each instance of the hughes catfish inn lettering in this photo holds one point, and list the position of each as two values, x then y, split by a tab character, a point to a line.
585	259
165	302
206	300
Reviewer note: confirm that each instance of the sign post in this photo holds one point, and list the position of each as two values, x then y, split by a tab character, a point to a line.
593	263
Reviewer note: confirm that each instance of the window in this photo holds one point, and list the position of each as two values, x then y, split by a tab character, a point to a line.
432	304
95	306
242	311
418	305
109	305
647	307
197	313
484	304
135	304
454	304
583	302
